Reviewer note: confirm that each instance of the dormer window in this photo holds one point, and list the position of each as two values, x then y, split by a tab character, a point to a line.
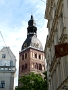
3	55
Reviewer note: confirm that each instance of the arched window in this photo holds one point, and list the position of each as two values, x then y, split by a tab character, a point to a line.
36	66
40	67
25	66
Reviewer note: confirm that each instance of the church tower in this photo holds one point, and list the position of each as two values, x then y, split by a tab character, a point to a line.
31	56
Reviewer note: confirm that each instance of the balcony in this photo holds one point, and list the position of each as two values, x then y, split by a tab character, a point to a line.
7	69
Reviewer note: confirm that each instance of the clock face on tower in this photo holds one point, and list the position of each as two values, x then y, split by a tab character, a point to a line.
36	45
25	45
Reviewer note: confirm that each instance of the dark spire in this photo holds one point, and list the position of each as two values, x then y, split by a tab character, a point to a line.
32	17
31	22
32	29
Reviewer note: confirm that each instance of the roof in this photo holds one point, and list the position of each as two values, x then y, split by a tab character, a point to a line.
32	41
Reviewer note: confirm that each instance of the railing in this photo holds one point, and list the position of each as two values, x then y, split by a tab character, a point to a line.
7	69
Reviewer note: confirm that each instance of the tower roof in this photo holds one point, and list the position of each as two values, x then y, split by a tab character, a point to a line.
32	39
34	42
32	29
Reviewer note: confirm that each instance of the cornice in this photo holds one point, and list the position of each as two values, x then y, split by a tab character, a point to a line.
29	48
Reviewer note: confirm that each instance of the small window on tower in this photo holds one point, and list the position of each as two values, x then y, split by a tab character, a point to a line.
25	66
25	55
22	57
39	56
36	55
3	55
36	66
40	67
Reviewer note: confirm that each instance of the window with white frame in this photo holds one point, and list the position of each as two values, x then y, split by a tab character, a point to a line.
3	55
2	85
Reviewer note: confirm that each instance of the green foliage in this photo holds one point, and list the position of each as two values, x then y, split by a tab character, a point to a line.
32	82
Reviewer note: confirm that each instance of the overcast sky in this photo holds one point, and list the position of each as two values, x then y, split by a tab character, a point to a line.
14	16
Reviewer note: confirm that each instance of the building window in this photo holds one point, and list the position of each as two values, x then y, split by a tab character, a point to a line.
22	57
32	65
43	67
25	66
36	66
3	55
11	63
25	55
40	67
36	55
39	56
2	84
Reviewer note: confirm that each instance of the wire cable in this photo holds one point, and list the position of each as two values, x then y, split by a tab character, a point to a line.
43	1
5	44
3	38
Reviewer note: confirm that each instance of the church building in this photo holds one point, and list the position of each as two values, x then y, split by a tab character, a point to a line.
31	56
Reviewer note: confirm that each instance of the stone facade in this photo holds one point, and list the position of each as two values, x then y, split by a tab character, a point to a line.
57	68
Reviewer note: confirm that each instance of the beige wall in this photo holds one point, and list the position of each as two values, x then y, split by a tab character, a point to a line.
9	82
